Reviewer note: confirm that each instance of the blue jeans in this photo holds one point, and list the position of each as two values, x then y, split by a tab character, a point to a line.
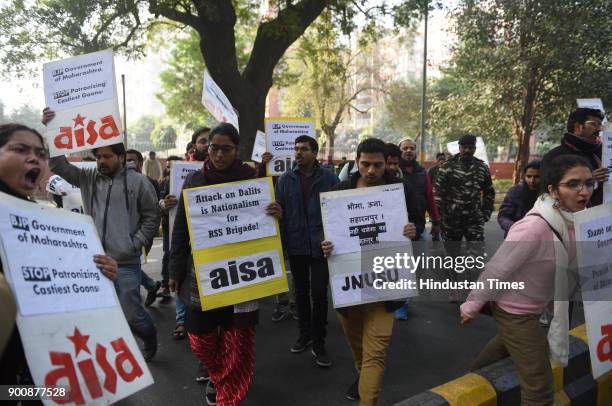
180	309
127	286
146	281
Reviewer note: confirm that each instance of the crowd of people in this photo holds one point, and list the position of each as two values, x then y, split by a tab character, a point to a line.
128	197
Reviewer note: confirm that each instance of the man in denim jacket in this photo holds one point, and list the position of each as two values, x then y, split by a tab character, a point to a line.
298	192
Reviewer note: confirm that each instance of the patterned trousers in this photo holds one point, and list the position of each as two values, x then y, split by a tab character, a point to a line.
229	356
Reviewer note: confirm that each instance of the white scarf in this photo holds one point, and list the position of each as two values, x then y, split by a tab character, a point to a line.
558	332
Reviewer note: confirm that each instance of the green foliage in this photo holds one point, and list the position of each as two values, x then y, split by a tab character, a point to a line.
163	136
140	133
181	83
403	108
516	64
31	31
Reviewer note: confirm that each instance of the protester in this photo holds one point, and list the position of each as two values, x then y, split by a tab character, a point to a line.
23	162
416	175
394	155
368	327
152	167
134	160
165	203
433	171
465	194
124	208
520	198
199	145
223	339
298	191
538	250
582	139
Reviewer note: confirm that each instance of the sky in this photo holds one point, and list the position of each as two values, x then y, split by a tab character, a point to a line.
142	77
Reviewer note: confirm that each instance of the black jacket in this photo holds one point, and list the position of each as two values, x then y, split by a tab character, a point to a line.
572	145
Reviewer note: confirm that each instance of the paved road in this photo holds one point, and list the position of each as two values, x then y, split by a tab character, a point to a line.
428	349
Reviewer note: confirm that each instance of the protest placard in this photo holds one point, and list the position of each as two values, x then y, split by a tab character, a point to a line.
481	149
365	223
217	103
71	195
280	141
236	246
606	160
75	336
259	147
594	252
178	173
82	92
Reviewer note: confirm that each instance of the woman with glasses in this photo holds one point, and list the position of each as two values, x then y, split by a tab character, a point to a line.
223	339
534	258
23	162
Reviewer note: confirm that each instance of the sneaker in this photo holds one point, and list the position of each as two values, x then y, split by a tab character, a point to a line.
202	375
149	350
301	344
280	312
165	295
293	311
152	295
211	394
352	393
402	313
320	355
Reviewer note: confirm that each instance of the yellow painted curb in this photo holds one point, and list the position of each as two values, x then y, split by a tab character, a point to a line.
580	333
561	399
604	390
557	371
470	389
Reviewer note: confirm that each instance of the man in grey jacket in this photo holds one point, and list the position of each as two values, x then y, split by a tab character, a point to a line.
124	208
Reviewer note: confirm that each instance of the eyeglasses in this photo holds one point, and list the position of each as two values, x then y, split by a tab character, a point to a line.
225	149
596	124
577	185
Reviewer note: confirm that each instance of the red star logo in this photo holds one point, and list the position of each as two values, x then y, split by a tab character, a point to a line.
78	120
79	341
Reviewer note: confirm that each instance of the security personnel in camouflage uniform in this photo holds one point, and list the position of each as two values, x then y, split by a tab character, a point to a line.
464	194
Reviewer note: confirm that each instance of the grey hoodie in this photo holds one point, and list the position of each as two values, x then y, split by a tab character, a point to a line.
126	222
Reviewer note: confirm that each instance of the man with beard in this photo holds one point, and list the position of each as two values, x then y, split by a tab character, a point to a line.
582	139
414	174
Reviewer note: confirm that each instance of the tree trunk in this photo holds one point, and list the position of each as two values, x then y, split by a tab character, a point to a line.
522	154
252	110
330	134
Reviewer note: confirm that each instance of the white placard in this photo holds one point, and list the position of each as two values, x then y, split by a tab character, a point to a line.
75	342
178	173
217	103
81	90
259	147
351	287
229	213
51	262
594	103
280	141
71	195
362	217
594	251
606	160
239	272
481	149
79	80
